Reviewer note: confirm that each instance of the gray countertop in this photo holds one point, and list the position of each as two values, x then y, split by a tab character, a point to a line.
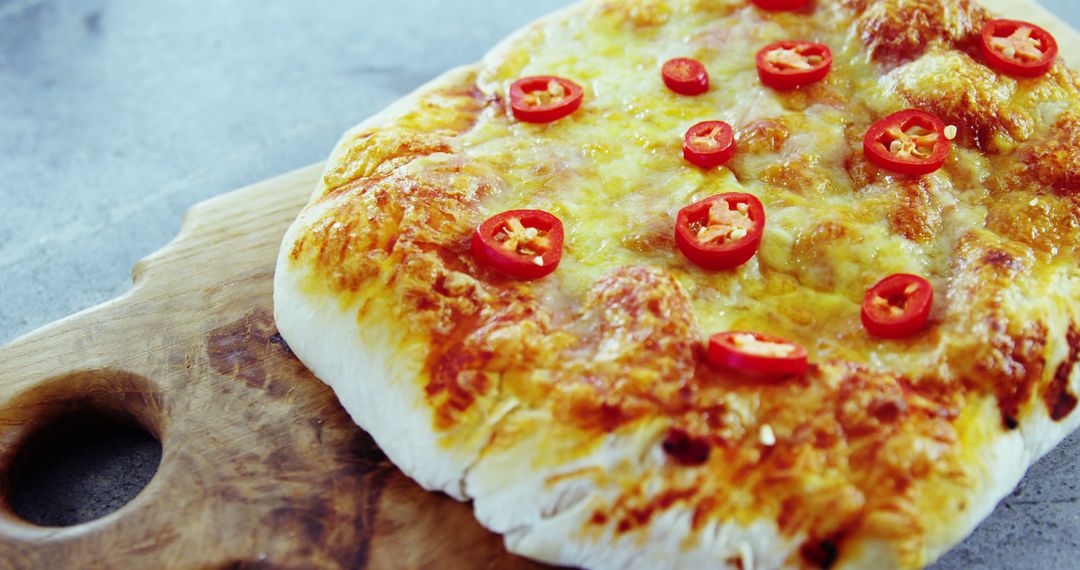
117	115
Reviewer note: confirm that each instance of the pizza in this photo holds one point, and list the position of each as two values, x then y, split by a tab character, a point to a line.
729	283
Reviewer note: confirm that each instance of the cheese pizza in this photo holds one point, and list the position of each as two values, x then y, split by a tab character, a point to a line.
730	283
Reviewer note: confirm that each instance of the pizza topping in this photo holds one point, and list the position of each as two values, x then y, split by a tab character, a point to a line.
787	65
709	144
950	132
522	243
1018	48
897	306
685	448
543	98
757	353
766	435
780	4
685	76
721	231
908	142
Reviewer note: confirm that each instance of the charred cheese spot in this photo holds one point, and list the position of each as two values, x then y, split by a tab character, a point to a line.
870	404
820	553
685	448
636	516
468	362
1055	162
1058	395
1003	355
438	295
915	215
636	351
897	30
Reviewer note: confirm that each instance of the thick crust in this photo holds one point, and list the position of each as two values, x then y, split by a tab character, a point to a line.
362	350
472	384
541	511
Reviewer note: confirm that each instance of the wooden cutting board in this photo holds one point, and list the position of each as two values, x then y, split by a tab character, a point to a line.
261	467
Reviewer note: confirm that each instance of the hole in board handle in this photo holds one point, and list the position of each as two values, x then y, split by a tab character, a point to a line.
78	447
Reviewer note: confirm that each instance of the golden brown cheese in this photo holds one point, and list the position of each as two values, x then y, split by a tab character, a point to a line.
896	30
615	335
990	111
377	153
1046	223
1055	162
848	459
916	214
966	94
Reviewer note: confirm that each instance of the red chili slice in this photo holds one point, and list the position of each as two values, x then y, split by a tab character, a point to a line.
909	142
544	98
721	231
1018	48
709	144
685	76
780	4
522	243
897	306
787	65
757	353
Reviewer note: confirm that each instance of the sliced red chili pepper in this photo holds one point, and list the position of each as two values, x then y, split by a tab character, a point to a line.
544	98
757	353
709	144
897	306
787	65
780	4
522	243
1018	48
721	231
685	76
909	142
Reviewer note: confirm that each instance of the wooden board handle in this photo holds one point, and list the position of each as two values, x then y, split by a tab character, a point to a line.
260	465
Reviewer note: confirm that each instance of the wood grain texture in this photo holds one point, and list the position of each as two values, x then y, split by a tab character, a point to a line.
261	467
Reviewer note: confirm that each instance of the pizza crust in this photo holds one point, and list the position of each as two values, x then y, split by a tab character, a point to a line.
541	512
375	382
372	363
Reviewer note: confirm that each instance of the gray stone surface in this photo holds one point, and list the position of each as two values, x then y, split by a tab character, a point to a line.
118	115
